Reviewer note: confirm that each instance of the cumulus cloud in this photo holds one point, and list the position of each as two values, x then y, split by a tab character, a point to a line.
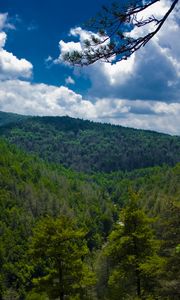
41	99
67	47
156	115
152	73
83	36
11	66
142	92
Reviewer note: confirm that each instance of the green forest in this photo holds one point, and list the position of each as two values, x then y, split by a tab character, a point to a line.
87	211
90	147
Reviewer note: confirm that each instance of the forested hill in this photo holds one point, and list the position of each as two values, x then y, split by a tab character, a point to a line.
6	118
90	147
30	189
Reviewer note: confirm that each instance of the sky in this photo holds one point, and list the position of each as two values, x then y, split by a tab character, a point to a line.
141	92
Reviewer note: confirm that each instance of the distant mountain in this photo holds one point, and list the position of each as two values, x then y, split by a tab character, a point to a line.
6	118
92	147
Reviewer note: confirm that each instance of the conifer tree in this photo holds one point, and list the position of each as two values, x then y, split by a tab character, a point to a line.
170	233
132	250
58	249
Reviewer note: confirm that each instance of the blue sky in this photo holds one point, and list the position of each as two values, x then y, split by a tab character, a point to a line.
39	27
142	92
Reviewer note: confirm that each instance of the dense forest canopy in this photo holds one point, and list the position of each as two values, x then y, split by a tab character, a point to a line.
108	232
31	189
91	147
6	118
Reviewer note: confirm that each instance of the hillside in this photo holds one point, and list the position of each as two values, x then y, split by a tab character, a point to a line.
31	189
39	188
36	188
92	147
6	118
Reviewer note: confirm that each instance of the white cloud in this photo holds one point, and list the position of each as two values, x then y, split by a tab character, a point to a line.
167	124
167	39
115	73
11	66
142	92
151	73
4	22
156	10
3	18
49	59
3	37
111	75
67	47
69	80
79	46
41	99
81	34
153	115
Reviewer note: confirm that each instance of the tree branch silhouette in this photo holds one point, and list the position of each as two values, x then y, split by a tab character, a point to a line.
112	26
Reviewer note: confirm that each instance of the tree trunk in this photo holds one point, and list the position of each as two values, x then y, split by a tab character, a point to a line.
138	280
61	288
61	295
138	284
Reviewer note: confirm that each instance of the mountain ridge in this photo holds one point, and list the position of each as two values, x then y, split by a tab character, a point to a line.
88	146
14	117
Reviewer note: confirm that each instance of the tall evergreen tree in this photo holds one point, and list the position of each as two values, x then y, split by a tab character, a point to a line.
58	248
132	250
170	232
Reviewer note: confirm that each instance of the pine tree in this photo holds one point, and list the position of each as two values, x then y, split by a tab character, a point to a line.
132	249
58	250
170	233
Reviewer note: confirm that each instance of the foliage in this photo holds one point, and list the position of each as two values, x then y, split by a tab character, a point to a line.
92	147
58	249
170	232
133	250
8	118
31	189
